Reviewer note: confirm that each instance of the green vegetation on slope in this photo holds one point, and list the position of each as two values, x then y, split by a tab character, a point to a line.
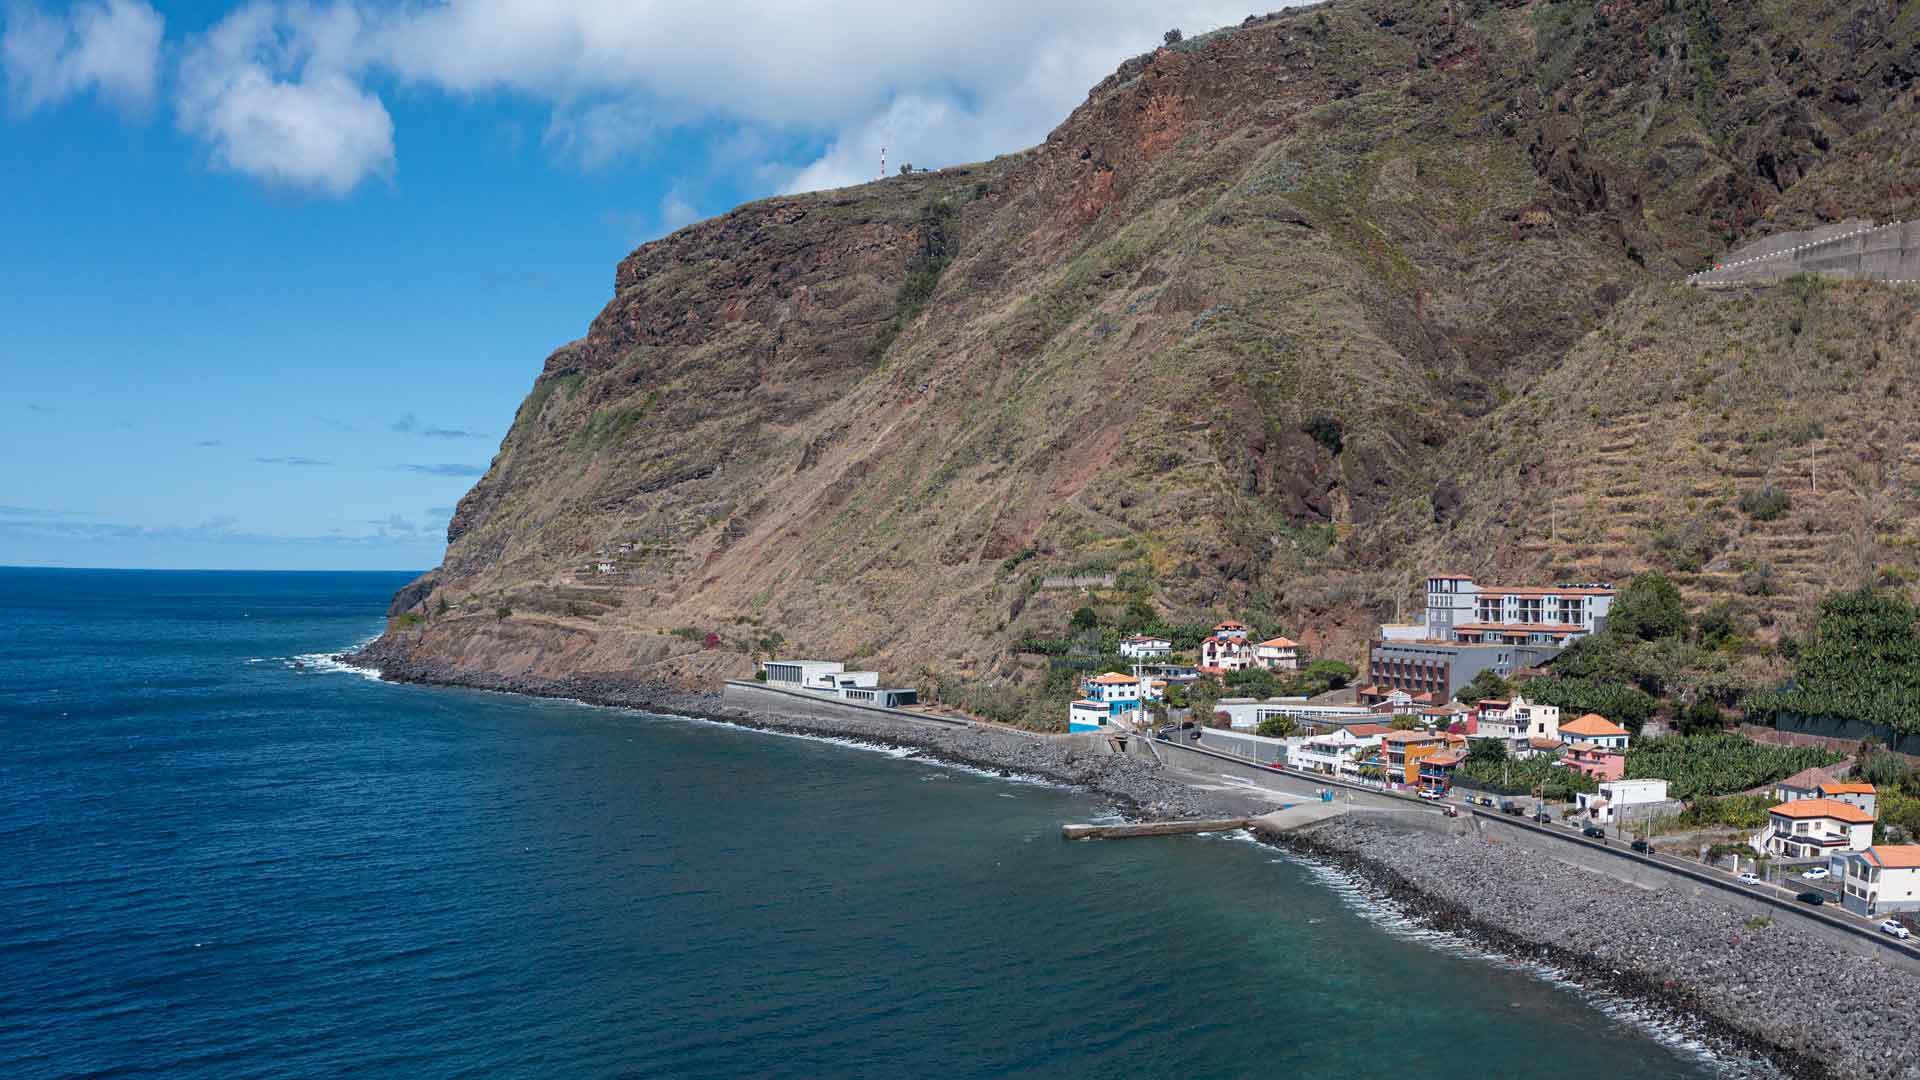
1863	664
1718	763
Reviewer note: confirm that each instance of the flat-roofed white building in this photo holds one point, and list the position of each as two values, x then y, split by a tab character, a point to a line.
801	674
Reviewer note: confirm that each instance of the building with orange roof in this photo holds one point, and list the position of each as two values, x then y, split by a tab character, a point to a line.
1596	761
1814	829
1596	729
1401	751
1884	878
1277	654
1470	628
1861	795
1117	697
1804	784
1223	652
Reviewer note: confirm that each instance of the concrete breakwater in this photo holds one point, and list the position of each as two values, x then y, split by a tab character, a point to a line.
1771	985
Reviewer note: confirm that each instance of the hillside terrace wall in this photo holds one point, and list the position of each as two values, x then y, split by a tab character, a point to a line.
1849	250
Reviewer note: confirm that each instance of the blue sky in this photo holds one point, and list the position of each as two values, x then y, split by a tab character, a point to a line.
276	275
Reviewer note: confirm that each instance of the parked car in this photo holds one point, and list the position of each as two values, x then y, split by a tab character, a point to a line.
1749	879
1644	848
1894	927
1511	807
1166	731
1543	818
1813	898
1594	832
1818	873
1429	793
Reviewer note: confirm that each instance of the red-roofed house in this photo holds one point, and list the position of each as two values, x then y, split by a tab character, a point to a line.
1860	795
1222	653
1814	828
1883	878
1592	759
1595	729
1277	654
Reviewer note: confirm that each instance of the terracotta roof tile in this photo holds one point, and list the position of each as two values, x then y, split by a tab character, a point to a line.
1894	856
1593	724
1846	789
1823	808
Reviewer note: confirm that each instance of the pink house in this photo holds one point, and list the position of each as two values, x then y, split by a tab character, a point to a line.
1592	759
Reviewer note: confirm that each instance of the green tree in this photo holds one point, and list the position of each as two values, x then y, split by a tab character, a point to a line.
1202	694
1253	682
1649	608
1277	727
1489	751
1404	722
1487	684
1085	619
1700	718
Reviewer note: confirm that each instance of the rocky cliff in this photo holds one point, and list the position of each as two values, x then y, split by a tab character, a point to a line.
1281	318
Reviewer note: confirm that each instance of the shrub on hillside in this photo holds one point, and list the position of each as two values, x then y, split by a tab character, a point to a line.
1765	504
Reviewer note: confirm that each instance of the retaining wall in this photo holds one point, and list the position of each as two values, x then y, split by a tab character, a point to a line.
1849	250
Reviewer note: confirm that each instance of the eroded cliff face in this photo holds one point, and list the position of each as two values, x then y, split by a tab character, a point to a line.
1227	333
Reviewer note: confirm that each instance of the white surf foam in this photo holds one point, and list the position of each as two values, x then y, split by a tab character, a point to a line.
1685	1037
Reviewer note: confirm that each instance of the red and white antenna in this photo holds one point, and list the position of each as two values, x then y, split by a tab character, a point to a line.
883	163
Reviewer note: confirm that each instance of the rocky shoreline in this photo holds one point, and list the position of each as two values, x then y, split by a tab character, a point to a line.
1765	992
1770	991
1136	786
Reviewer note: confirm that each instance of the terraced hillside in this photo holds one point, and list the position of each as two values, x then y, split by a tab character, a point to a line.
1277	321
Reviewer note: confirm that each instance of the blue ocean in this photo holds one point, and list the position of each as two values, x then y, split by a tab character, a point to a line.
222	855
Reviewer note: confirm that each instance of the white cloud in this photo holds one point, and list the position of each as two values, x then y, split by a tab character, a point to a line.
940	83
283	90
676	212
111	47
270	89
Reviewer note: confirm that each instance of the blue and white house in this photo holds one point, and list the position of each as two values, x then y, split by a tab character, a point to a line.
1111	698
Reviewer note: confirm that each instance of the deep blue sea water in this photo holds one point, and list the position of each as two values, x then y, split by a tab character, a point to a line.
214	865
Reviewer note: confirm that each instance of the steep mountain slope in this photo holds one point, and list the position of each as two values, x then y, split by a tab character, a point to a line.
1277	320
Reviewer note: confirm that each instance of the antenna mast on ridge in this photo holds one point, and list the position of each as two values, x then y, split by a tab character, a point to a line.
883	163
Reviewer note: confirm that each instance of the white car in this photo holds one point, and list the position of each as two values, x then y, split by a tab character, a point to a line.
1818	873
1426	793
1892	926
1749	879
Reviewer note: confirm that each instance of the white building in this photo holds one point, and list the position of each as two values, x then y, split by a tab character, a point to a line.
1146	647
801	674
1596	729
1337	753
1517	723
1861	795
828	677
1617	798
1219	653
1884	878
1245	714
1087	716
1460	609
1277	654
1814	829
1120	699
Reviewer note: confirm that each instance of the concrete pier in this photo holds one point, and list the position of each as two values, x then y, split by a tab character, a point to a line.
1152	828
